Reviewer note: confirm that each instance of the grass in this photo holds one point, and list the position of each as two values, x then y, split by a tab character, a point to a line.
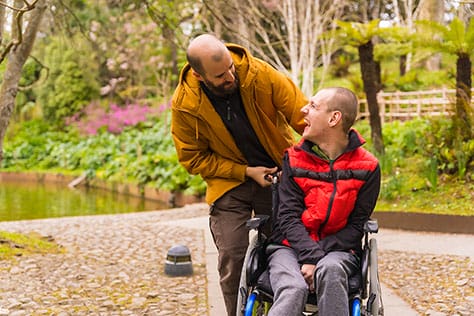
14	245
413	178
411	188
452	197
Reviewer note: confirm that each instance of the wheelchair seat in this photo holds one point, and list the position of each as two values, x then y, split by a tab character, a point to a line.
258	275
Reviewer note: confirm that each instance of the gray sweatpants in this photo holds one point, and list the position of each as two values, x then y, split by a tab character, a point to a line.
290	289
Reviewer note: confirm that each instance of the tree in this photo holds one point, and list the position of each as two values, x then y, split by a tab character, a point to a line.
169	17
361	36
455	39
432	10
16	53
404	14
72	83
287	33
113	43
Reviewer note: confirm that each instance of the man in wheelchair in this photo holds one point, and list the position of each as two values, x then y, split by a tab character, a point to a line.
328	189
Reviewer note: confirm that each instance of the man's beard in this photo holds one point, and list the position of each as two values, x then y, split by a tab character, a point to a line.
225	88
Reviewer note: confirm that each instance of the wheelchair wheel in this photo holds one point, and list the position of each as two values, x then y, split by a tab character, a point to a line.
375	292
243	287
256	306
356	307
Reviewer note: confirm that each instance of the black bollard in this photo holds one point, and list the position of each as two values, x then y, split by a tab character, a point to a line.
178	261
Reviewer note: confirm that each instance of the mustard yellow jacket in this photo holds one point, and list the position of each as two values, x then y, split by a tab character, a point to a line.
204	145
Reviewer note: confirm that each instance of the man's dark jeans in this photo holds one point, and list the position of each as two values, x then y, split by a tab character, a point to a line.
228	216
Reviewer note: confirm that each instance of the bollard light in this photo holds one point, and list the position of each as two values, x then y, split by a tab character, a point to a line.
178	261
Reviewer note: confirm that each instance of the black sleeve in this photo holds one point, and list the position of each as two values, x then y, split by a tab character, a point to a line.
350	236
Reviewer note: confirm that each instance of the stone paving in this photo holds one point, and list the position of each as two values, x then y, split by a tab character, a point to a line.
114	265
435	285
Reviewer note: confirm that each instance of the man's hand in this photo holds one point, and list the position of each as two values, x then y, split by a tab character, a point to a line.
308	270
258	174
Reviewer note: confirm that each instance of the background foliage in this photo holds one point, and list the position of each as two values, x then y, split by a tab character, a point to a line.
72	81
98	64
417	175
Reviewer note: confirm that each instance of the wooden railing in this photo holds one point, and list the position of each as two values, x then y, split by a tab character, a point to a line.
408	105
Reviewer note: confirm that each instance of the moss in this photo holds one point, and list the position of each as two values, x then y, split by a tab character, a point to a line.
15	244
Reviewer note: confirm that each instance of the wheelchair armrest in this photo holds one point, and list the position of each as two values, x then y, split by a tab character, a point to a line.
257	222
371	226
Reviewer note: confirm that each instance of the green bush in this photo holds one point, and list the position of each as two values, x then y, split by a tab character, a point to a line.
453	155
419	168
72	81
417	152
144	155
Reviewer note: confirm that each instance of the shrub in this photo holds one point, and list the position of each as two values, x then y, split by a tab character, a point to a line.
72	81
144	155
453	155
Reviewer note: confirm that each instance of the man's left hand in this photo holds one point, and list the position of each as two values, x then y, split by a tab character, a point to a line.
308	270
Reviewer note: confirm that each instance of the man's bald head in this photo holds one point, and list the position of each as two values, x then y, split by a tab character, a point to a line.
345	101
205	47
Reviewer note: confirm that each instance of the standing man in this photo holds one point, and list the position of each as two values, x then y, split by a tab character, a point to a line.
232	116
328	189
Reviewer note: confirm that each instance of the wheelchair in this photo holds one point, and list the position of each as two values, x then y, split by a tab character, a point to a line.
255	294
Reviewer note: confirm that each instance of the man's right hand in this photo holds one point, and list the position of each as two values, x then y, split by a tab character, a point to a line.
258	174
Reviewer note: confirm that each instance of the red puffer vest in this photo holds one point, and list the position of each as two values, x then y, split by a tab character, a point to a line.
330	188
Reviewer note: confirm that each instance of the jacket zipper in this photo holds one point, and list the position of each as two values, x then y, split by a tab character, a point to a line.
331	200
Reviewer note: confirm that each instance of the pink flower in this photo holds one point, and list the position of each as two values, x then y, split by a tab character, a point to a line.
94	117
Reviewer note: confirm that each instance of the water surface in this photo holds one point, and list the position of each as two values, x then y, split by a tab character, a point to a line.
33	200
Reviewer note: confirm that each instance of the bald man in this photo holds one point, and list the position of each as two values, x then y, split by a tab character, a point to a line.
328	189
233	116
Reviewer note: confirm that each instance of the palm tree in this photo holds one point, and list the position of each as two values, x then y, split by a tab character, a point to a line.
360	35
455	39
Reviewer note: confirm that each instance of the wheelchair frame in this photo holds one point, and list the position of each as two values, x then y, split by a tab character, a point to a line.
254	300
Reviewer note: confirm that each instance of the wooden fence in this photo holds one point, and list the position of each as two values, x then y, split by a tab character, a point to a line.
408	105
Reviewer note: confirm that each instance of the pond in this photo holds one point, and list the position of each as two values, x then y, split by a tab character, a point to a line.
33	200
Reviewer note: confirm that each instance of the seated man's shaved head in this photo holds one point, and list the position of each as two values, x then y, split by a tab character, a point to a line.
204	48
344	100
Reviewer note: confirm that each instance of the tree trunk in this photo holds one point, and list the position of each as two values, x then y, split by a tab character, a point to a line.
402	65
432	10
463	96
369	77
16	60
2	22
172	57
